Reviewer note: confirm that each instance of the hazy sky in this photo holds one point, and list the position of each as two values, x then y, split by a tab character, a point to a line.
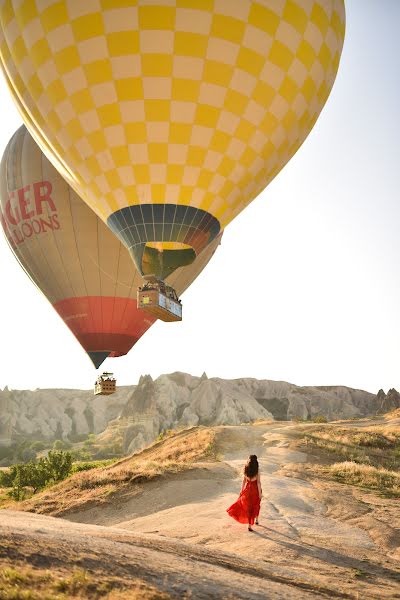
306	284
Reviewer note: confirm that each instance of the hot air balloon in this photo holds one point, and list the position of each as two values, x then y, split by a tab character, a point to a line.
168	118
71	256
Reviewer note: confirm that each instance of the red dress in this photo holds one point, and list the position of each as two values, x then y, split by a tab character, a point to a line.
247	507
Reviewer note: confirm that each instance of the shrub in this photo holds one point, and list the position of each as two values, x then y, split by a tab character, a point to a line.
61	445
88	465
320	419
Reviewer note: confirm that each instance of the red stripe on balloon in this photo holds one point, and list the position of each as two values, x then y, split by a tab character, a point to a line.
104	323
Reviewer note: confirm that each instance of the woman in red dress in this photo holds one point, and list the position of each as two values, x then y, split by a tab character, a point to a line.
247	507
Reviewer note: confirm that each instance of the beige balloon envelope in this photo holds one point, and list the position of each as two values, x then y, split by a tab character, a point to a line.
72	256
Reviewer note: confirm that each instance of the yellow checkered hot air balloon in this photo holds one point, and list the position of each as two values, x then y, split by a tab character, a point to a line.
169	116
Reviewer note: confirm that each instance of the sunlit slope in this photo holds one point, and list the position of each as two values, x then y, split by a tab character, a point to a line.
105	484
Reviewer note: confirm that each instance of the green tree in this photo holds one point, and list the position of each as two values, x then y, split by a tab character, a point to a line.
19	478
59	465
35	476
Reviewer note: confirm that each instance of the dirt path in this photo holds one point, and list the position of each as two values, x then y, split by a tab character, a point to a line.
301	535
313	540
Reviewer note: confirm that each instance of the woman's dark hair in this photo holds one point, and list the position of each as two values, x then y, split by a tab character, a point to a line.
251	467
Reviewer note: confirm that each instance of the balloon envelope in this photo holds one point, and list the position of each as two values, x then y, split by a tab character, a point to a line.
168	118
70	254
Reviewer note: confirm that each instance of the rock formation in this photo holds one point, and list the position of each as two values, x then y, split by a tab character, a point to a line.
136	415
389	401
51	414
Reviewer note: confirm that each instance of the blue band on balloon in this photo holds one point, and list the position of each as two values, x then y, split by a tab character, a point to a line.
136	225
139	224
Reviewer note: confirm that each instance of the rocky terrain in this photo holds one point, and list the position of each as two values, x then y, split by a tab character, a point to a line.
136	415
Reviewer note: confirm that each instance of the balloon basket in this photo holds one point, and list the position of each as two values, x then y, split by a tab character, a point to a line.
159	299
105	385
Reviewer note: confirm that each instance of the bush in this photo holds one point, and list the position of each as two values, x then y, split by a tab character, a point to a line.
61	445
35	476
164	434
88	465
320	419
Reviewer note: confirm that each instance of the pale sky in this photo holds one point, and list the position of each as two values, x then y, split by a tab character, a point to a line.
305	287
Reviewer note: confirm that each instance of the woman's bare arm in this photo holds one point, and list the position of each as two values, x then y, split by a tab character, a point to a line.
259	484
243	484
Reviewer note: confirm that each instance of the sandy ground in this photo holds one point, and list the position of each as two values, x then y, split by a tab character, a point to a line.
317	539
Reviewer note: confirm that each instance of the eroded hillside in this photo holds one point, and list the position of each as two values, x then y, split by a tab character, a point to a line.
136	415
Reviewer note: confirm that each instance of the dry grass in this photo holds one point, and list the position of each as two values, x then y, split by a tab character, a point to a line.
20	582
377	436
368	457
367	476
394	414
170	455
378	446
260	422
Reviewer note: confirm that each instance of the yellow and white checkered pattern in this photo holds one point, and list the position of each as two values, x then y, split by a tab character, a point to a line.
193	102
97	263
